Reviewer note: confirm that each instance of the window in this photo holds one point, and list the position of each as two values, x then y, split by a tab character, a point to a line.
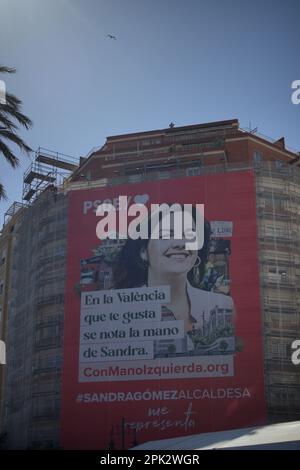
279	349
282	271
193	171
276	231
163	175
109	157
278	270
135	178
190	146
153	141
278	163
257	157
274	202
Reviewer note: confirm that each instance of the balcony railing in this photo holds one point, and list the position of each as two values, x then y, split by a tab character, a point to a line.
50	299
281	282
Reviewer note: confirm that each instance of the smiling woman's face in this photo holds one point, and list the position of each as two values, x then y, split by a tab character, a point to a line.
167	256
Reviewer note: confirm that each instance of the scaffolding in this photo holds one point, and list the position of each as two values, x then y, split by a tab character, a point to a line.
35	318
49	169
11	211
278	217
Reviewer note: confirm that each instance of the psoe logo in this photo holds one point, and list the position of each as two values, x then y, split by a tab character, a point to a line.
296	94
2	92
296	353
2	352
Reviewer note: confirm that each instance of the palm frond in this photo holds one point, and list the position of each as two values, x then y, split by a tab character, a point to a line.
11	117
12	108
2	192
13	101
4	69
8	154
13	137
7	123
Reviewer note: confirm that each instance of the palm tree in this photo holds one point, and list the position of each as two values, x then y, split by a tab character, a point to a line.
10	119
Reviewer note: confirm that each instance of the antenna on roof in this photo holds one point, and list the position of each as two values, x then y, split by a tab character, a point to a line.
252	131
171	125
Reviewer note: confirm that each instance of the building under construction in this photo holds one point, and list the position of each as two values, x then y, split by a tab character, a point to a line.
33	328
33	248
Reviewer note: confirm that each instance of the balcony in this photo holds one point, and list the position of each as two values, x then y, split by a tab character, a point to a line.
279	327
56	320
181	149
52	370
273	212
58	279
279	304
49	342
55	235
50	299
279	282
281	310
277	364
48	258
284	238
45	415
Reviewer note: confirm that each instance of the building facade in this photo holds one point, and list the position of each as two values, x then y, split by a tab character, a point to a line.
34	305
12	221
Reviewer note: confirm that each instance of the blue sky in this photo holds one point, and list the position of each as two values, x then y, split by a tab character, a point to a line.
186	61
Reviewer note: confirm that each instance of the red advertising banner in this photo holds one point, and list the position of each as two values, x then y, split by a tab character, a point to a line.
160	340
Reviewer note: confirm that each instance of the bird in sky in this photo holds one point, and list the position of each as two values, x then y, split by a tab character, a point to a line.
111	36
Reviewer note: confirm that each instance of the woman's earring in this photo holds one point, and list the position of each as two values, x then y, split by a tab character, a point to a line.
196	272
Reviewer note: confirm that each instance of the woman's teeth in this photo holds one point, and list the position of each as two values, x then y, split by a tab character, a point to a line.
179	256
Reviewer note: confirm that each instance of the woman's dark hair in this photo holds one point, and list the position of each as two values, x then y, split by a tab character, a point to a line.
130	270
